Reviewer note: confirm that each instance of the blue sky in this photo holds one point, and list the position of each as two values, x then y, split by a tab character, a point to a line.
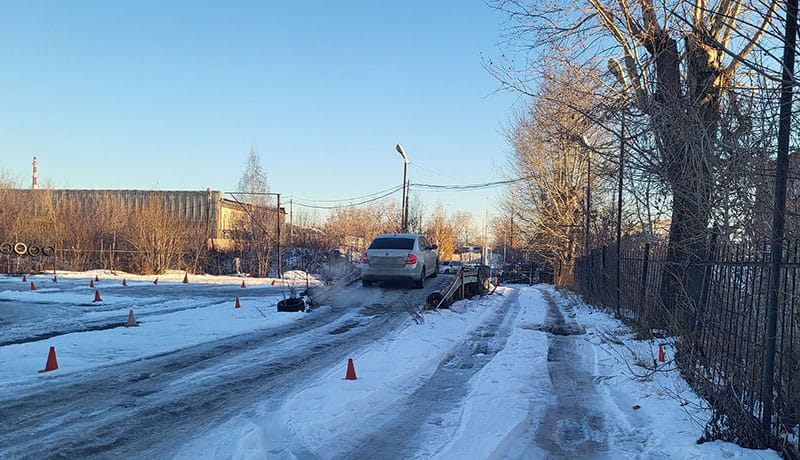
173	95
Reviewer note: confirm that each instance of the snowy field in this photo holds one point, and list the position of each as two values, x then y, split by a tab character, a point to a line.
485	379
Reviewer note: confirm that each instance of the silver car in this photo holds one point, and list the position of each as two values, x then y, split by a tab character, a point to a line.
399	257
449	266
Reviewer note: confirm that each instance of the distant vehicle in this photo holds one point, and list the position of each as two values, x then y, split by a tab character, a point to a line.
450	266
399	257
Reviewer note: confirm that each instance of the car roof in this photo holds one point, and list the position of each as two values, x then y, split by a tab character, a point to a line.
397	235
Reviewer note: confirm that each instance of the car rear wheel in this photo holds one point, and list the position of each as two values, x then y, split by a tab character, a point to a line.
419	284
366	283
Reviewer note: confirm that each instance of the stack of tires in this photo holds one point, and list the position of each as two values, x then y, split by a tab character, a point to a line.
22	249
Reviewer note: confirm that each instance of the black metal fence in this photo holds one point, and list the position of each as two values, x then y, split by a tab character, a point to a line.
722	352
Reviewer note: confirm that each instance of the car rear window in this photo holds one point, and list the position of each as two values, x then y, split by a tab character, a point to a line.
392	243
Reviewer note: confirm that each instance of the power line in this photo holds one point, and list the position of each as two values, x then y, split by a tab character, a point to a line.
385	193
370	200
485	185
358	198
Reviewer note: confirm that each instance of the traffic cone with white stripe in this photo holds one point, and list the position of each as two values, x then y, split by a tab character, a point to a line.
131	320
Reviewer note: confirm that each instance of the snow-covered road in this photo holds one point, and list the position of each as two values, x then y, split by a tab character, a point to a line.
523	373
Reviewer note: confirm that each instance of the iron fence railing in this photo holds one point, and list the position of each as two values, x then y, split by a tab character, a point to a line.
722	349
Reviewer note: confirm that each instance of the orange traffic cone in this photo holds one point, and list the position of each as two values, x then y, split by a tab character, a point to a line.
273	283
243	285
33	286
124	282
351	370
52	364
96	278
24	279
97	296
155	281
91	283
131	320
238	305
186	278
661	354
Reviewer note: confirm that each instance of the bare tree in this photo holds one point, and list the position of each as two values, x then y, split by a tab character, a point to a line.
441	232
157	237
676	62
551	202
257	234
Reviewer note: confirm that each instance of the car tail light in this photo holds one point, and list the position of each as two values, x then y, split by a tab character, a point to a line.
411	259
364	259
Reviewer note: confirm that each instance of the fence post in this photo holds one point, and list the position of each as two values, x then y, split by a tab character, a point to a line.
591	274
604	287
706	285
643	288
618	281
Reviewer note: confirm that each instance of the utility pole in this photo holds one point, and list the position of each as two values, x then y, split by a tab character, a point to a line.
619	206
778	216
278	209
404	203
588	194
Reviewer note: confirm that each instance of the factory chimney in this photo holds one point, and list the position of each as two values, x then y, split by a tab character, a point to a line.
35	184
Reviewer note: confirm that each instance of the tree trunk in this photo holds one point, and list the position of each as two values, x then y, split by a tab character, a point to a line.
686	124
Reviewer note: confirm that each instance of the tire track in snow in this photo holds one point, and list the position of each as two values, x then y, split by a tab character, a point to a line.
401	429
573	425
148	408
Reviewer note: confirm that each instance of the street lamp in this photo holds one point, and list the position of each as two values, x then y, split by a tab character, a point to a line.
404	204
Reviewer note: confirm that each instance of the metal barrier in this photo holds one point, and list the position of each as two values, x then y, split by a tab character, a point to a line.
465	282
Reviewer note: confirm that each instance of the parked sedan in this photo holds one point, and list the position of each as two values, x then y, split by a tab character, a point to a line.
449	266
399	257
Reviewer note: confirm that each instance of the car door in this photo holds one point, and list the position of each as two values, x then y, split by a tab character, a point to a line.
429	255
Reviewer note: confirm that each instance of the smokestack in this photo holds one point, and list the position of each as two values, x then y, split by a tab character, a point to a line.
35	184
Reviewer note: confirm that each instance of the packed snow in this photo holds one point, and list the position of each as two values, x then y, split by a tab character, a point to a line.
494	349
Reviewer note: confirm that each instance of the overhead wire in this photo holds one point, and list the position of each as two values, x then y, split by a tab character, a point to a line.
358	198
484	185
348	203
385	193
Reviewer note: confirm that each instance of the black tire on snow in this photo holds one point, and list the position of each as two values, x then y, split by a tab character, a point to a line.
433	299
291	304
419	284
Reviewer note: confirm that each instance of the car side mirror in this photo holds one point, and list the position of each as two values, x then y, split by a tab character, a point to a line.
434	247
